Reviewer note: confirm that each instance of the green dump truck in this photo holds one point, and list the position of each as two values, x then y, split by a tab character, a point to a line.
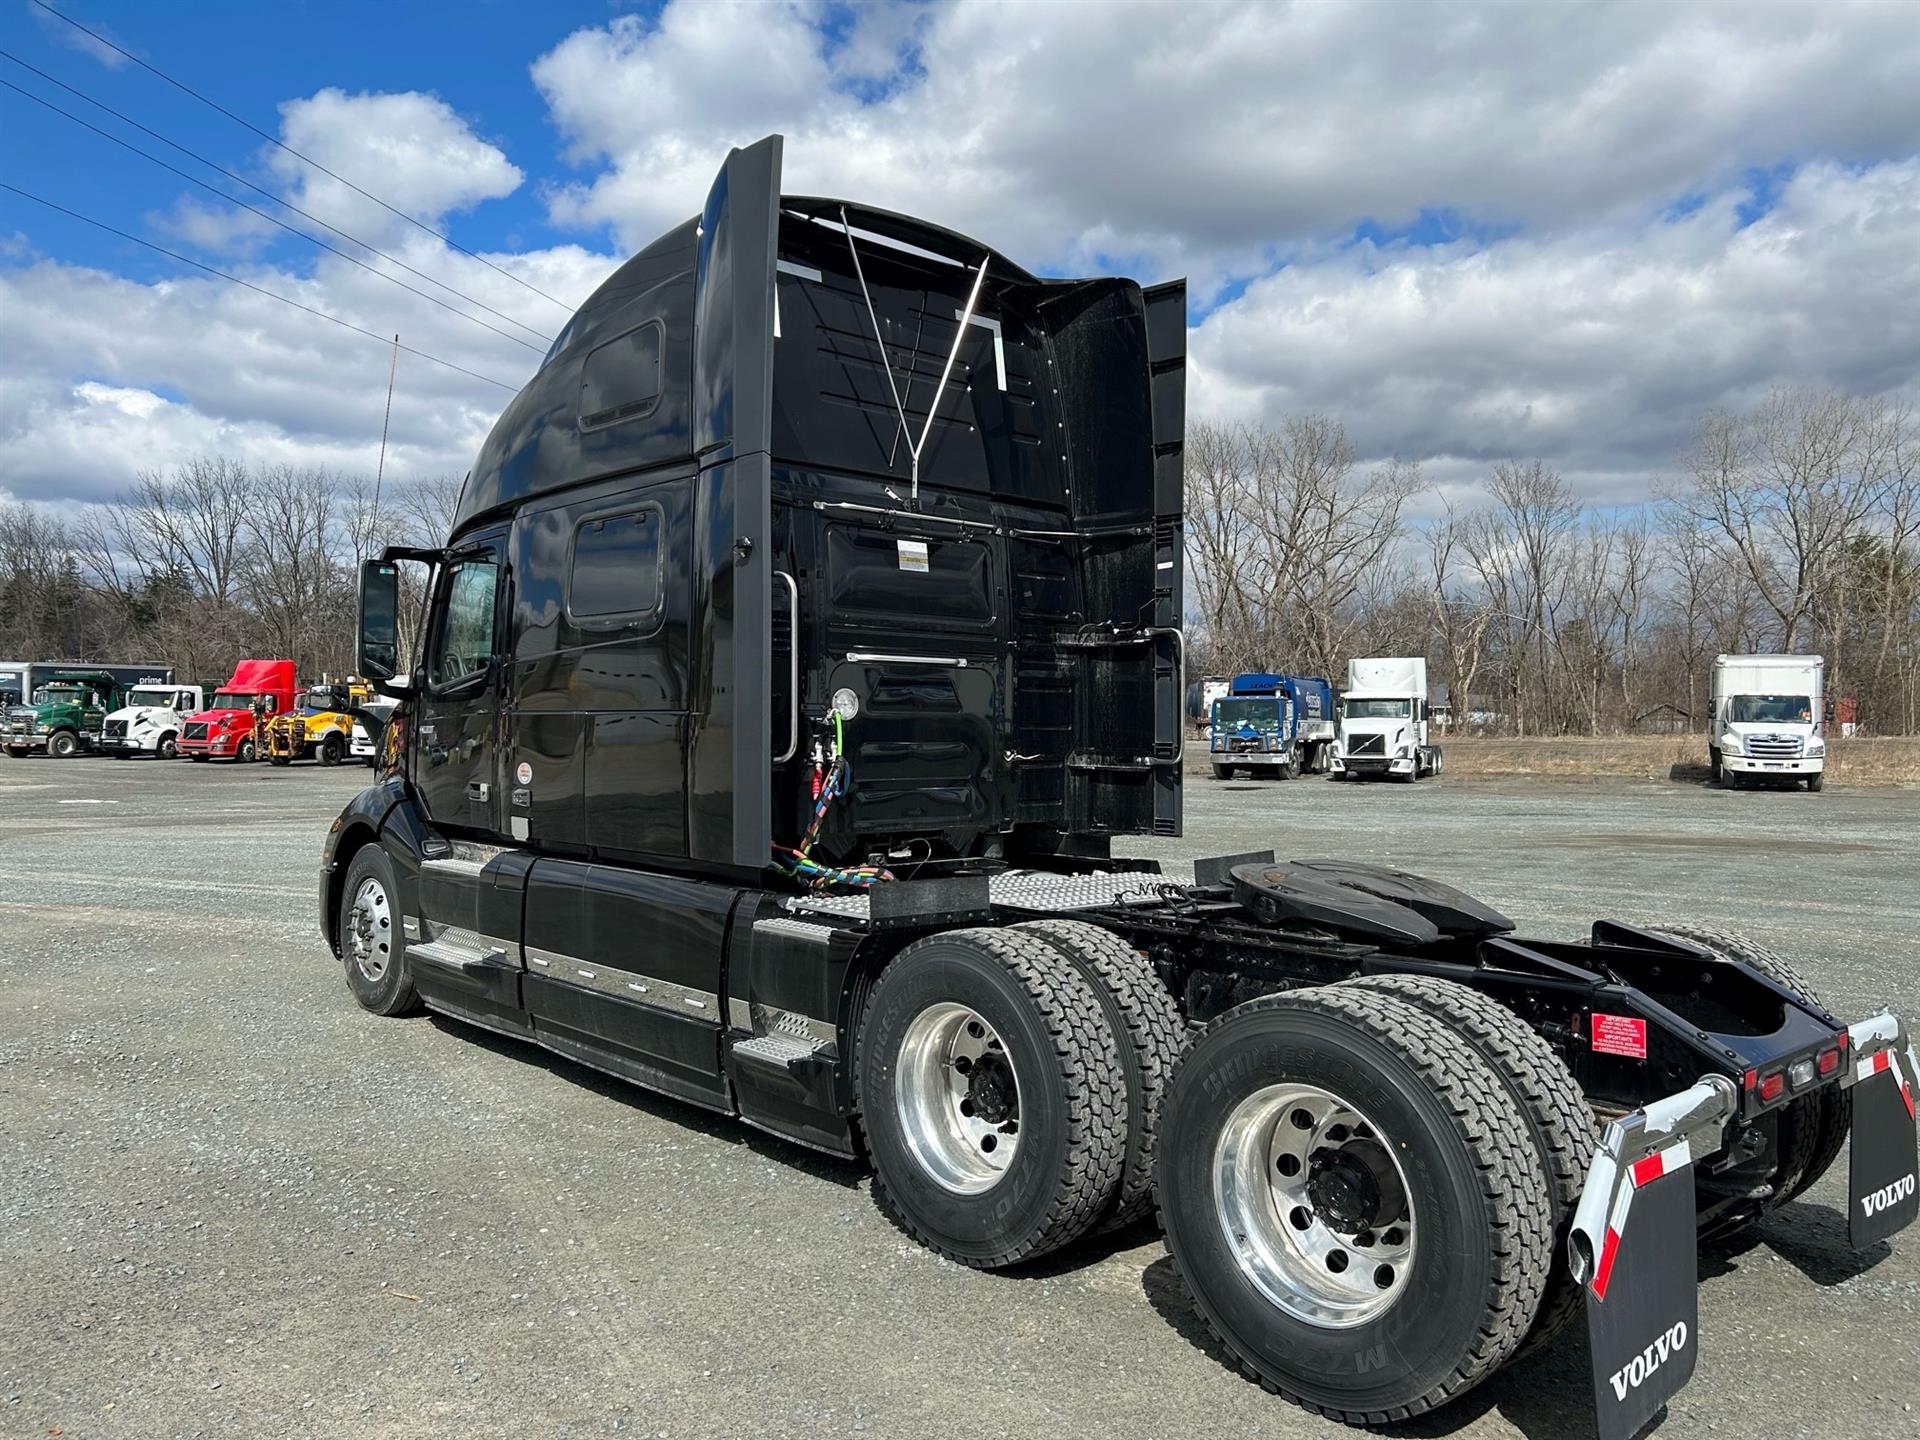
66	716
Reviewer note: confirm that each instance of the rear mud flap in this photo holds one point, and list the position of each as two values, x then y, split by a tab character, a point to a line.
1883	1189
1635	1251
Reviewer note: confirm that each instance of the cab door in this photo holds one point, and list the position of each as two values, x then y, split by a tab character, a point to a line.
457	745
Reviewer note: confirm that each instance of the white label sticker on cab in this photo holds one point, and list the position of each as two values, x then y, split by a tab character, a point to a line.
913	555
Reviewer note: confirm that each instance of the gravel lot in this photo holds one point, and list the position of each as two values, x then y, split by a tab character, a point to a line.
232	1204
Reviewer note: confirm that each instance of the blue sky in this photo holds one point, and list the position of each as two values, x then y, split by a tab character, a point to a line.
1468	231
251	57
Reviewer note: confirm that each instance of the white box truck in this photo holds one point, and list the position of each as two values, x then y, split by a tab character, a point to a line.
1766	719
1383	721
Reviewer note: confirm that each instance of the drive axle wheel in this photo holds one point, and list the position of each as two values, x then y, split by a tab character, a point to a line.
1147	1026
1353	1201
370	943
1555	1109
992	1097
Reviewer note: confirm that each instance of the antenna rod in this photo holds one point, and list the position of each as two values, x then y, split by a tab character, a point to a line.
380	471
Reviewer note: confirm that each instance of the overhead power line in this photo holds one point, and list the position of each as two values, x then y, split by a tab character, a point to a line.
270	219
307	159
195	155
248	285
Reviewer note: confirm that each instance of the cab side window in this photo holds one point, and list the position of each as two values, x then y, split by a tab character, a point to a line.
463	643
614	580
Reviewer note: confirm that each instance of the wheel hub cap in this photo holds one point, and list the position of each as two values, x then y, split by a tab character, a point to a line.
369	930
957	1098
1314	1205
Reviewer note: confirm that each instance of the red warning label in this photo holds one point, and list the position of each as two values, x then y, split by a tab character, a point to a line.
1620	1035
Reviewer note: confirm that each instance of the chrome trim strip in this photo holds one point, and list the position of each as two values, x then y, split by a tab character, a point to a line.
618	984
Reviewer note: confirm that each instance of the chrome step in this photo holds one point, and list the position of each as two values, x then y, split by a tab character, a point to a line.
781	1051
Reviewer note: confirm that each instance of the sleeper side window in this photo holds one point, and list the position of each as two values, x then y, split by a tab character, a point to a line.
613	580
463	647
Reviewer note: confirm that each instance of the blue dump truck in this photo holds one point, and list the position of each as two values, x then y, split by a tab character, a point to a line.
1277	725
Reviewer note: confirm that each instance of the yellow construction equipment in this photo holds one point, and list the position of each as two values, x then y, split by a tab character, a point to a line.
316	727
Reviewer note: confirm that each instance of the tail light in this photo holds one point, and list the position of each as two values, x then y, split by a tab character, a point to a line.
1828	1061
1772	1087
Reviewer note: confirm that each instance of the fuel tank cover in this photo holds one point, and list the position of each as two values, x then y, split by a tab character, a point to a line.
1277	893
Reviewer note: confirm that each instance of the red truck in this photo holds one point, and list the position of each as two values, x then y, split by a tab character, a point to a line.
225	729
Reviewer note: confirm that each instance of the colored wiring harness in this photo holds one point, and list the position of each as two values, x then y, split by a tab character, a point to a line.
798	862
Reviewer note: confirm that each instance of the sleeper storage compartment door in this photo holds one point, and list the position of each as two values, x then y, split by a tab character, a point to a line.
916	631
624	973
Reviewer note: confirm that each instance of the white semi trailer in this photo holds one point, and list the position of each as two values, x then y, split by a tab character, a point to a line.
1766	719
1383	721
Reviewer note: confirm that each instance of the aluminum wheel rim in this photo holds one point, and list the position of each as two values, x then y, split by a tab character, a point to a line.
963	1148
1283	1243
370	930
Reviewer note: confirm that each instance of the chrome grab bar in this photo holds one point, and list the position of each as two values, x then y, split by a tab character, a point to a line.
855	657
793	657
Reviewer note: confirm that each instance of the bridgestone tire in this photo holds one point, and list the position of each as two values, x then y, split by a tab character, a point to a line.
1146	1024
1072	1102
1814	1130
1551	1101
62	745
1479	1202
392	992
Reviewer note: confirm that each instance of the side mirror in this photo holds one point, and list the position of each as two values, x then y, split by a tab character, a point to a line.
379	649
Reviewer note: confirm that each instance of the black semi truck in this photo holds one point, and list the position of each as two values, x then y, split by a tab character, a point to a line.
808	633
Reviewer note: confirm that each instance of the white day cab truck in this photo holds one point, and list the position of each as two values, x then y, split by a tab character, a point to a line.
1383	721
149	723
1765	722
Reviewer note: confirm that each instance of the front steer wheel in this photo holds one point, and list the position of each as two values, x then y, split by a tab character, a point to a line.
370	943
62	745
992	1097
1354	1202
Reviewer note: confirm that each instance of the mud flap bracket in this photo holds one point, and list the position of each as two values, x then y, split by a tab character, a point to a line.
1642	1300
1883	1195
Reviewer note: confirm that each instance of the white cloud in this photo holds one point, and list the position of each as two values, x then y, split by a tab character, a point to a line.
1598	348
1239	144
217	229
408	145
1205	137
